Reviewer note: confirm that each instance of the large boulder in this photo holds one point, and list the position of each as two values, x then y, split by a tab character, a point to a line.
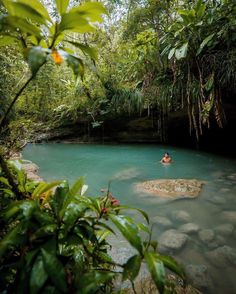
172	188
31	170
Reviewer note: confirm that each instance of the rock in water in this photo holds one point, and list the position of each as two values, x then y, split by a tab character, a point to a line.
172	240
180	216
199	276
162	221
189	228
31	170
173	188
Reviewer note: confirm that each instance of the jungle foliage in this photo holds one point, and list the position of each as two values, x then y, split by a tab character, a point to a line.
55	239
153	58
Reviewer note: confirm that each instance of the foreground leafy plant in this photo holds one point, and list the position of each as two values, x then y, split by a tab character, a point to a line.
55	241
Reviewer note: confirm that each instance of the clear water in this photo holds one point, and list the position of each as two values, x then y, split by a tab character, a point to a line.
125	165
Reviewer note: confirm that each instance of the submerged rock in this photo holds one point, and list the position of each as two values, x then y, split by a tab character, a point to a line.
172	240
232	177
222	256
225	229
180	215
189	228
217	200
229	216
199	276
173	188
31	170
206	235
162	221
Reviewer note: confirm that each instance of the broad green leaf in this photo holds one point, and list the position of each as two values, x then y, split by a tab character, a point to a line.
104	257
132	267
54	269
74	22
8	6
21	178
23	25
14	238
46	230
79	259
76	64
143	227
129	230
60	38
95	205
30	257
37	56
90	282
84	189
28	207
71	213
5	181
185	16
60	196
7	191
170	263
171	53
182	51
7	40
90	10
62	6
85	49
77	187
38	275
156	269
23	10
43	217
205	42
11	211
102	235
43	43
37	6
200	9
25	207
33	40
44	187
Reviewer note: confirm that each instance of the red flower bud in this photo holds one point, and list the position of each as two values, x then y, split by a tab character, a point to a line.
104	210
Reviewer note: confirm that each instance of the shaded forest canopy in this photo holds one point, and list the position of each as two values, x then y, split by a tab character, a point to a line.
169	65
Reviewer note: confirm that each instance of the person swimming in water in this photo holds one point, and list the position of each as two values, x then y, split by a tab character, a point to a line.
166	158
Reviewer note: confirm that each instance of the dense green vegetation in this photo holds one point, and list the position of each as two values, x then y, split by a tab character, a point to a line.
155	58
60	65
55	241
